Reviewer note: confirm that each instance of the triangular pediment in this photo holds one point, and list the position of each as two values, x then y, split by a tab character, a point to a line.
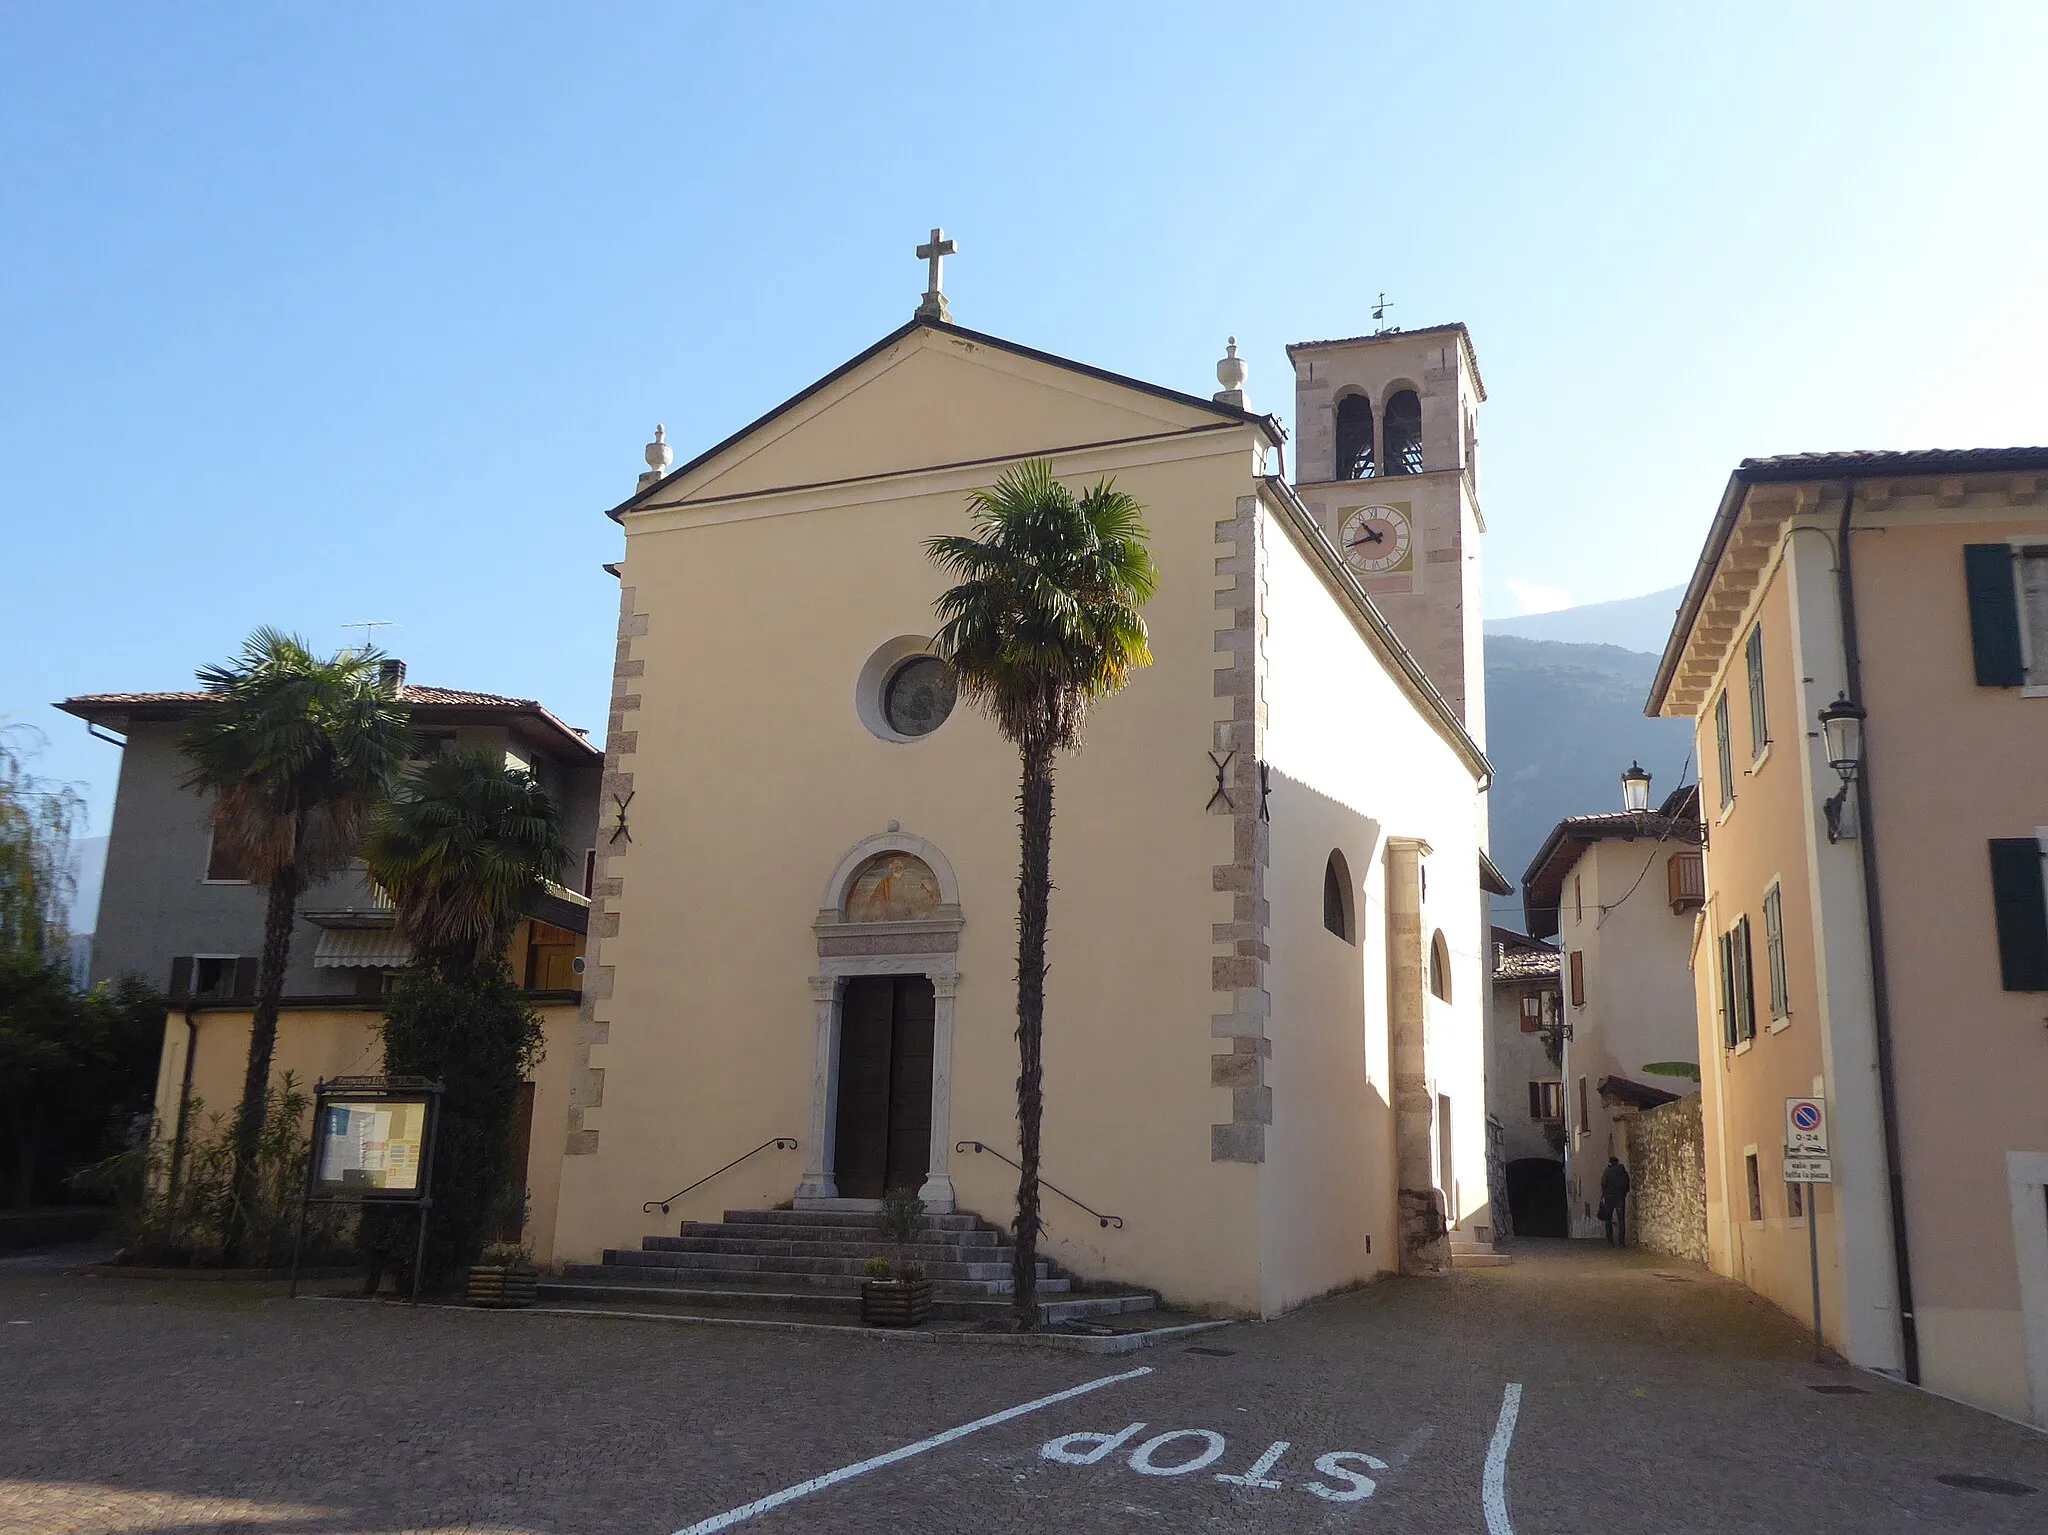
926	397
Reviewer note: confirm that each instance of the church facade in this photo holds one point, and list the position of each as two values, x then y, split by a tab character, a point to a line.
1264	1035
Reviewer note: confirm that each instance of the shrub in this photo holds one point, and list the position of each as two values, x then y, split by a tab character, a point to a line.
177	1207
473	1030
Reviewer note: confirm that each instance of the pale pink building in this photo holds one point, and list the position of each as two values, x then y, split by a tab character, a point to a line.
1876	928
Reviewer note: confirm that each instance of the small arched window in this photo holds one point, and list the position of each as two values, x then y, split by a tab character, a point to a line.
1439	967
1354	438
1404	432
1337	897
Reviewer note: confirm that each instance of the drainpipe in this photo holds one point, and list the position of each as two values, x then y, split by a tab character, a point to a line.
1881	1005
184	1104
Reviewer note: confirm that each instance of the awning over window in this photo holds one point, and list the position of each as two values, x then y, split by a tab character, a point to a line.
365	948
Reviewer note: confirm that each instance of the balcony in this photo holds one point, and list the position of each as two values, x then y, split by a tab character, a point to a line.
1687	876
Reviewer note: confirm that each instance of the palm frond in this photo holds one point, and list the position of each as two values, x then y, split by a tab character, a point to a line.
1045	616
462	847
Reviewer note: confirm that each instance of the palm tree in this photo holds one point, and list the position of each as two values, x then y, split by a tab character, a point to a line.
1044	621
462	847
294	750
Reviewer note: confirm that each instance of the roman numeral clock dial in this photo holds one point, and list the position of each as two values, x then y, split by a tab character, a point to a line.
1375	539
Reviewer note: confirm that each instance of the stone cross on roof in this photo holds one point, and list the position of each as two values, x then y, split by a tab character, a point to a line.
934	252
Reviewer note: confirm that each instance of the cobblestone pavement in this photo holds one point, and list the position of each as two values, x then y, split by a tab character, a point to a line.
1653	1398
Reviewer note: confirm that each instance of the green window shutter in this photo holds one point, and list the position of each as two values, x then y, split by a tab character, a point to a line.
1726	943
1745	988
1994	616
1759	722
2022	907
1774	949
1724	755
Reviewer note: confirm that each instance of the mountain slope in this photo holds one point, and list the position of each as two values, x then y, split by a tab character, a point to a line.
1562	722
1634	623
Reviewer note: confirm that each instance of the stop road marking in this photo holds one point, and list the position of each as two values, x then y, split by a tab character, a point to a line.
1184	1451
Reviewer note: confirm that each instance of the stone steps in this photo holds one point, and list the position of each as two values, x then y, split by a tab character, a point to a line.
633	1269
734	1264
810	1261
825	1304
1476	1255
838	1247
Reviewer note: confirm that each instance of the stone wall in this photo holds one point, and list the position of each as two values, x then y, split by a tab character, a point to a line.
1666	1156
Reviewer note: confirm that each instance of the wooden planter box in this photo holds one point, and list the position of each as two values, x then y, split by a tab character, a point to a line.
502	1288
895	1302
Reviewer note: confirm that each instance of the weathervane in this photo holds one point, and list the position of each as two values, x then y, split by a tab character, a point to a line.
1379	315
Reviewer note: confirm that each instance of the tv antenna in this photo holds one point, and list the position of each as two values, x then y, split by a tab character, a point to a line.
369	626
1379	315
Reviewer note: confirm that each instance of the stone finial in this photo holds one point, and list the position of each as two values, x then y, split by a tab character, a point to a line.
1231	373
659	456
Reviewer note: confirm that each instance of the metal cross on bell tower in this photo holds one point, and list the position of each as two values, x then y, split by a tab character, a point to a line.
934	252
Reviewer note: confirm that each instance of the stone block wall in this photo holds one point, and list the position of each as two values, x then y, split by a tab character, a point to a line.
1665	1150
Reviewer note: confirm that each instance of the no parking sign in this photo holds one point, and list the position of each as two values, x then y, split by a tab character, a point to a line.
1806	1126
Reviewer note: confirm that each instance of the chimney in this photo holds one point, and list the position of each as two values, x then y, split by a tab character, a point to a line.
391	677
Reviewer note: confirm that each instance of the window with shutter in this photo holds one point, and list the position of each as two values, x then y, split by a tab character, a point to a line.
1726	945
1774	949
2033	573
2021	906
1535	1100
1759	726
181	977
1994	615
1745	982
1724	753
1578	965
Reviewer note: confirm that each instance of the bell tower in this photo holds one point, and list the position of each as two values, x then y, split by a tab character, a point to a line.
1387	458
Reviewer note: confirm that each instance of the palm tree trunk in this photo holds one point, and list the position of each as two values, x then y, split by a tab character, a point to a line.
1034	896
278	917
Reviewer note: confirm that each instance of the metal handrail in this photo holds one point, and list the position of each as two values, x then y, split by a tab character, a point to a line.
780	1143
1107	1220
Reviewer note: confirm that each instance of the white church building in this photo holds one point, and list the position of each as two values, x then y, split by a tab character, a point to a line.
1265	1017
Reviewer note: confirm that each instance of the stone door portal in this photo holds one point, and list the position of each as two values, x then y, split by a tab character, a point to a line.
884	1117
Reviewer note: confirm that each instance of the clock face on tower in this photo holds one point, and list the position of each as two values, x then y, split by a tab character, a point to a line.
1375	539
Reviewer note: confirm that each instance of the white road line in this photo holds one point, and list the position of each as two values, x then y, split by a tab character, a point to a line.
747	1511
1494	1490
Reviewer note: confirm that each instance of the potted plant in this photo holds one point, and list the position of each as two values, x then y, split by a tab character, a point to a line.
505	1279
897	1294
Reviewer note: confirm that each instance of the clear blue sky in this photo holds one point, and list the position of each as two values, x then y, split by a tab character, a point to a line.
315	313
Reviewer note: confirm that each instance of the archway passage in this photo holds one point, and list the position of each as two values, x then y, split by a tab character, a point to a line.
1536	1201
885	1085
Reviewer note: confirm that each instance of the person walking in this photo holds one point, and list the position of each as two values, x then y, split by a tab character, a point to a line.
1614	1186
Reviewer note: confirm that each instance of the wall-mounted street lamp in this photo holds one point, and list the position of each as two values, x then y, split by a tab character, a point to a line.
1635	788
1841	729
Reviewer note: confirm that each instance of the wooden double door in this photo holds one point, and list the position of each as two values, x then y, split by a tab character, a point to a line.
884	1115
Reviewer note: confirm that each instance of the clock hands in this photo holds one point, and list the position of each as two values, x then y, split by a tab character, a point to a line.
1370	537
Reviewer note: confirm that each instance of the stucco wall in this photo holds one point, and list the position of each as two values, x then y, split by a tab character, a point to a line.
1954	765
1354	763
1639	997
1514	1060
1951	765
313	1043
156	901
1667	1165
753	775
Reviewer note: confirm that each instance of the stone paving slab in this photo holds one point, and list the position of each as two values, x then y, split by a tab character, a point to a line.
1648	1403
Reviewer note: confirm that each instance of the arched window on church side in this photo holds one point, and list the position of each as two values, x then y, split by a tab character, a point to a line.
1337	897
1354	438
1439	967
1403	432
